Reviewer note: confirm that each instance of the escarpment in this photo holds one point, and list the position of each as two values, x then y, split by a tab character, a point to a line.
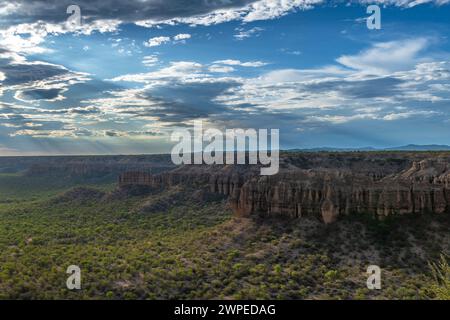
325	185
87	166
330	195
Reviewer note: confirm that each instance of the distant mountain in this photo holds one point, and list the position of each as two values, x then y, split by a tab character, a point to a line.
409	147
332	149
416	147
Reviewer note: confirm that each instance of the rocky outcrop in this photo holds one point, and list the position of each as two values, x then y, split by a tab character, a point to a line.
328	187
331	195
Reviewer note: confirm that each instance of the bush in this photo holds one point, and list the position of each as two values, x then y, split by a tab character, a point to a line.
441	274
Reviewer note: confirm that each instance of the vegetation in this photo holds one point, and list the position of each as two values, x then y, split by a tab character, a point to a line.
441	274
192	251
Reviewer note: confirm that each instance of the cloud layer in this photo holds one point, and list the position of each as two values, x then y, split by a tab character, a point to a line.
386	82
151	12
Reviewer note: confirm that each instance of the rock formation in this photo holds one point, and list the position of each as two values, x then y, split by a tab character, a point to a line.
327	185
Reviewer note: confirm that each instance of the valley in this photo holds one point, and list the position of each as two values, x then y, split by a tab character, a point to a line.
176	235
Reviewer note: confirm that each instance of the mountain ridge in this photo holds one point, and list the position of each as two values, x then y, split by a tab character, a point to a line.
408	147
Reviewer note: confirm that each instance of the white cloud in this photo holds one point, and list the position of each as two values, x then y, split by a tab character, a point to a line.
178	69
404	3
386	57
167	12
409	114
150	61
243	34
156	41
271	9
102	26
231	62
113	103
27	38
74	132
220	69
335	94
295	75
12	39
182	36
258	10
340	119
8	8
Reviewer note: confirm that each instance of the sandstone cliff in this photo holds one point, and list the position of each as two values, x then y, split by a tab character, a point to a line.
325	185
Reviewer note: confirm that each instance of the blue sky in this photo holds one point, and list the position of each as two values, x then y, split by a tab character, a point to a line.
127	77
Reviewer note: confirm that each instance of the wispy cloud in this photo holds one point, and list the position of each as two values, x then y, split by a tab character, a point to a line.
387	57
244	34
150	61
233	62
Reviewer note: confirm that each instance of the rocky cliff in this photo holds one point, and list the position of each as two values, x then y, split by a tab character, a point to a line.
326	185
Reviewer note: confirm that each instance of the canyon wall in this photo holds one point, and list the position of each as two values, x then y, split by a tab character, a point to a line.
326	185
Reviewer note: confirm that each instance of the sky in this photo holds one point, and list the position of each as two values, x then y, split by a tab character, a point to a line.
132	72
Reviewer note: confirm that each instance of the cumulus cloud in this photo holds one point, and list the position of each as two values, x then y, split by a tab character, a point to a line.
156	41
25	24
54	11
270	9
250	11
28	38
107	14
299	98
337	95
182	36
169	12
387	82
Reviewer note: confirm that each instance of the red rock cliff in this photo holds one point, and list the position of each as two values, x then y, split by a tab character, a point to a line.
327	187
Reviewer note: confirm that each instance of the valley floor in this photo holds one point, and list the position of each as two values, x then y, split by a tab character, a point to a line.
200	251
